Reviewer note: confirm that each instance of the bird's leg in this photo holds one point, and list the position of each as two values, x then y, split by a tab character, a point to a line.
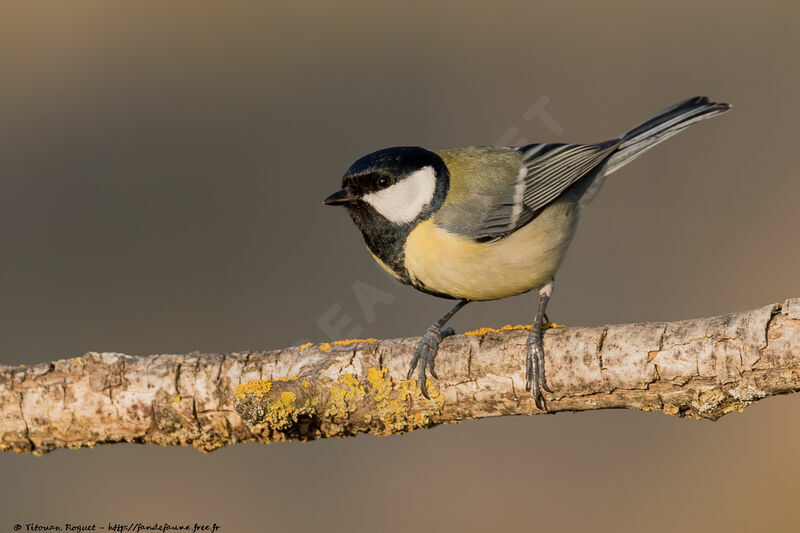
425	353
534	362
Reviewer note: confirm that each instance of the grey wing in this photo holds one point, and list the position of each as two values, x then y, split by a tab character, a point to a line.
546	171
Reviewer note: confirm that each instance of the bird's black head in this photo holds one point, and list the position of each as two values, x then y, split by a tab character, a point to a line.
389	192
401	185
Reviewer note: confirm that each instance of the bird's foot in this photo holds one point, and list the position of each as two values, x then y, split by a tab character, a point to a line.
425	355
535	379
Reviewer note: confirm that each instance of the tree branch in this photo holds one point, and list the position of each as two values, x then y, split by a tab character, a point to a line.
703	367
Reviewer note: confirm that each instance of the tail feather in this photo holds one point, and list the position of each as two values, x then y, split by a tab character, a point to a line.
661	127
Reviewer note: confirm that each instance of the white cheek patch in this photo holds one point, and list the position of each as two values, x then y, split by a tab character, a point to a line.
403	201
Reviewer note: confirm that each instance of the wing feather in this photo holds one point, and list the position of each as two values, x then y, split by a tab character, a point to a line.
545	171
550	172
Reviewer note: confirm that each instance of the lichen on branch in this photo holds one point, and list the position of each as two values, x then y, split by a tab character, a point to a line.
703	367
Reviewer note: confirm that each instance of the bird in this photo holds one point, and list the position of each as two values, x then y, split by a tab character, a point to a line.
481	223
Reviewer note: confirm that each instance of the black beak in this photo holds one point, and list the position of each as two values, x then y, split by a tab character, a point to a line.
340	197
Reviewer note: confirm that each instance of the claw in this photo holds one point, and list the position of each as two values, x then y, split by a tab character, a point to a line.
534	370
528	370
422	387
534	360
413	364
425	356
431	363
428	346
537	395
542	377
425	349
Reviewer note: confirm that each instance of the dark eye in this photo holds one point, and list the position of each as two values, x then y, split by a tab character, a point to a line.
385	181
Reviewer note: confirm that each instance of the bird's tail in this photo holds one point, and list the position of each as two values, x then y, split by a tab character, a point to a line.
661	127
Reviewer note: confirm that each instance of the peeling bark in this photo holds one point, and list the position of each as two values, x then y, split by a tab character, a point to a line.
703	367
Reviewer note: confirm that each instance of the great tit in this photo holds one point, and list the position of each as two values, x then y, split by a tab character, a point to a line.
483	222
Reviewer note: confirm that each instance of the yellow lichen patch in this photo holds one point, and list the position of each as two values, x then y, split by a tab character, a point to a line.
709	397
288	397
377	379
410	388
344	400
709	400
305	345
392	401
432	392
285	379
733	406
176	399
284	413
348	379
346	342
671	409
509	327
337	403
288	401
391	408
325	346
305	384
257	388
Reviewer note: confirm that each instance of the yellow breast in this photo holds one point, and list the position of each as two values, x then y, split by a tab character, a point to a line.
459	266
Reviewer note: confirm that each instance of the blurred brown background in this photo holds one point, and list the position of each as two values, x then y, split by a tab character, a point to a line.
162	166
